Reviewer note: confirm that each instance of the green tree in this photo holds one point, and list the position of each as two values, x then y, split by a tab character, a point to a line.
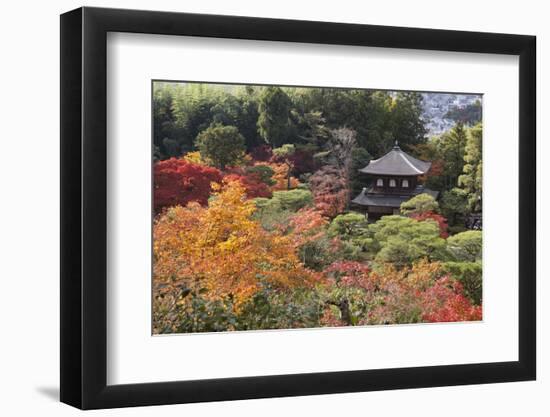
452	145
466	246
291	200
248	113
274	124
360	157
469	274
352	229
264	173
196	106
402	240
471	180
193	107
407	124
165	131
454	206
311	129
222	145
348	226
420	204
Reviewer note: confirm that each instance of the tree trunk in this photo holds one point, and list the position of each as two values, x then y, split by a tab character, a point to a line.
344	311
288	177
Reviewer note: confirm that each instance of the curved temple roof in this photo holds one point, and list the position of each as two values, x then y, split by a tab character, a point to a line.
367	198
396	162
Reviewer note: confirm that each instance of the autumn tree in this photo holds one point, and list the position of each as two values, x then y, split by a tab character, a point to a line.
351	293
445	302
420	293
280	175
342	144
220	251
303	162
252	183
222	145
284	154
330	190
312	244
179	182
261	153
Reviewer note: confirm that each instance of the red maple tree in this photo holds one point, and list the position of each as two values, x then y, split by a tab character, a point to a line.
178	182
445	302
252	183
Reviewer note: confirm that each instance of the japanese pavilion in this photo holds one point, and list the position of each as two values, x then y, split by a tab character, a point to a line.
393	180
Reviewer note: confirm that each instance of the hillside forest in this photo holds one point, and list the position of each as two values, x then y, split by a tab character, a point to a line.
253	225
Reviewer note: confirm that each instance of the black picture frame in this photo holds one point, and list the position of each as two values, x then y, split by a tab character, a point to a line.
84	207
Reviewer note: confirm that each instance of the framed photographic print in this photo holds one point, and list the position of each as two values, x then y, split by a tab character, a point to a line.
257	208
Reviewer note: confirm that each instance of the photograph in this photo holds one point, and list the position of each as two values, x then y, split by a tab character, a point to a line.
299	207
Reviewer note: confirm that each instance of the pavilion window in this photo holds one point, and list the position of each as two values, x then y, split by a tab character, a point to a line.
405	184
379	182
392	183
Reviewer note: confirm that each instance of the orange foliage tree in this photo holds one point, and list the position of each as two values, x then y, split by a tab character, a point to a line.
280	176
220	251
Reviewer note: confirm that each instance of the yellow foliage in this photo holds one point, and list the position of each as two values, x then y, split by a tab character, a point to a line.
222	250
420	276
194	157
280	176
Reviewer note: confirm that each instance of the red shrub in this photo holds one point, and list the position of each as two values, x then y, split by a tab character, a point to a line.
351	274
252	183
445	302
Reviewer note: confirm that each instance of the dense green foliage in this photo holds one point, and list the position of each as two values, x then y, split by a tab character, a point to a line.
292	200
279	115
221	145
471	180
454	205
422	203
402	240
466	246
274	123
